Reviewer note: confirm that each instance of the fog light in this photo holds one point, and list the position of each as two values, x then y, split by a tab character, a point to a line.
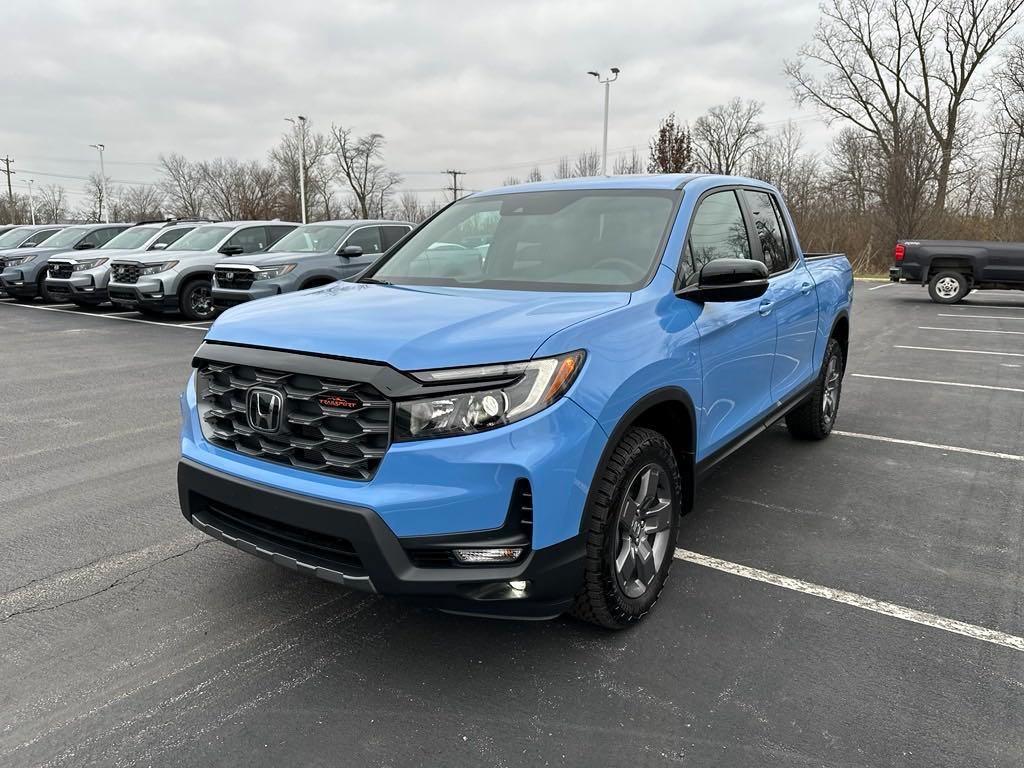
518	586
496	555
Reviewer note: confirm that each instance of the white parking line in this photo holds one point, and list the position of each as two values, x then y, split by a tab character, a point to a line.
983	317
942	383
967	330
105	317
883	285
960	351
857	601
986	305
936	446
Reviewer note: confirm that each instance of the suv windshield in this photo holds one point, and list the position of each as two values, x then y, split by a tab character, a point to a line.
200	239
14	238
130	239
574	240
65	238
312	238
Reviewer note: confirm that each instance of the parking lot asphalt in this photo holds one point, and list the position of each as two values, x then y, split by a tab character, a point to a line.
127	638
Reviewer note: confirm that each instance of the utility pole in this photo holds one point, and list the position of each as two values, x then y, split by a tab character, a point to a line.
454	188
7	160
32	200
301	126
104	207
607	83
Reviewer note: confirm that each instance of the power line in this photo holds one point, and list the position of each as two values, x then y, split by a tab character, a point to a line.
454	188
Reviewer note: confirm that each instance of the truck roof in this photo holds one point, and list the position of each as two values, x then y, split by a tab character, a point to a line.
632	181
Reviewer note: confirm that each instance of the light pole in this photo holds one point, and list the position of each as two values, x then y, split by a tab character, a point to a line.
104	208
301	126
606	82
32	199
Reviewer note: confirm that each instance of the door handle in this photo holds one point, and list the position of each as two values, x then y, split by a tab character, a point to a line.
765	309
806	288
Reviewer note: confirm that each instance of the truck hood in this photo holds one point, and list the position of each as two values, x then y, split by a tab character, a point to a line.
411	327
182	257
278	257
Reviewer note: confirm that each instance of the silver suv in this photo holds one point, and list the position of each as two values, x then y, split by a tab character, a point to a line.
310	256
84	280
179	278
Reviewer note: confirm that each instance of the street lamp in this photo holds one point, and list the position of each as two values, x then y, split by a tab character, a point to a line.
32	200
301	126
606	82
104	209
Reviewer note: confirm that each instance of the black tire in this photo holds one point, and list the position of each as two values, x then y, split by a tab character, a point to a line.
196	300
948	287
814	418
603	598
45	294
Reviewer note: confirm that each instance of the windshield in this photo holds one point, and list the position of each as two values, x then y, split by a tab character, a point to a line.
65	238
576	240
14	237
312	238
131	239
200	239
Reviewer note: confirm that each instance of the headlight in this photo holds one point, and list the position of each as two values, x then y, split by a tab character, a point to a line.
518	390
268	273
17	260
152	269
88	264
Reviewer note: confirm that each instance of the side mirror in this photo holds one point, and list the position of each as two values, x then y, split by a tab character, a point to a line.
232	250
349	251
728	280
85	246
157	246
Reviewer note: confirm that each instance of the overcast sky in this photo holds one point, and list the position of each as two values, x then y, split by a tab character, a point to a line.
487	87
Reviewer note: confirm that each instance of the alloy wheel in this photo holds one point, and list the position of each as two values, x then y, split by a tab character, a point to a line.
642	530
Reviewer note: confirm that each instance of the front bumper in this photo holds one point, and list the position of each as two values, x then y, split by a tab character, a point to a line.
145	293
80	287
15	283
354	547
230	297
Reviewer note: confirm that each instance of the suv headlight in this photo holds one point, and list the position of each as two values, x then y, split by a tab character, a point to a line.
269	273
517	390
152	269
88	264
18	260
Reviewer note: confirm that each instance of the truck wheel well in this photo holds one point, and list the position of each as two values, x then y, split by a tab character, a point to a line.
197	276
841	333
957	264
673	420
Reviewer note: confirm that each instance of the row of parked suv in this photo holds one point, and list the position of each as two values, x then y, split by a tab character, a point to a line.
191	267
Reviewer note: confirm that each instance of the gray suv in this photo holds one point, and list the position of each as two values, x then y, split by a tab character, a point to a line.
310	256
179	278
26	236
84	280
24	274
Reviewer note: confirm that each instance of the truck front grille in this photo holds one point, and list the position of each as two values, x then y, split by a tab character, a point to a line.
233	279
124	273
60	270
339	428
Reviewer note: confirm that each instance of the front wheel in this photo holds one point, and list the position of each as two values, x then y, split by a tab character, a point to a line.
948	287
196	302
815	417
632	523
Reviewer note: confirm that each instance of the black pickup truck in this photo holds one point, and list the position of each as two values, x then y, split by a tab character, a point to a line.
953	268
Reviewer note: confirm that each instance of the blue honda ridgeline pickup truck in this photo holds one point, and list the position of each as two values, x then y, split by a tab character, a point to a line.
508	413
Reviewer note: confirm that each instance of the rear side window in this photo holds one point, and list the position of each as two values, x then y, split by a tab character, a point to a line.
367	238
100	236
276	233
251	239
770	231
718	231
392	234
170	236
38	237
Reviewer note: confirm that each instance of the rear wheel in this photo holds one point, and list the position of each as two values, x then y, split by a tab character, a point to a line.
948	287
815	417
633	520
196	300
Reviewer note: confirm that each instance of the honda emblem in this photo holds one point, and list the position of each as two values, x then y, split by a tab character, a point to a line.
263	409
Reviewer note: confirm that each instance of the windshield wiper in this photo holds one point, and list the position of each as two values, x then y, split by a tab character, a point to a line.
374	281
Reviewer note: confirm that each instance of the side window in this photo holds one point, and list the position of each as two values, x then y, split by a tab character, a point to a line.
169	236
276	233
367	238
718	231
251	239
38	237
771	233
99	236
392	234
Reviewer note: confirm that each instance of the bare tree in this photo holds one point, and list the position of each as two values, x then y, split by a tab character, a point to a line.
535	175
140	202
725	136
671	149
587	164
93	207
52	207
511	181
318	170
236	190
359	160
630	163
183	186
564	168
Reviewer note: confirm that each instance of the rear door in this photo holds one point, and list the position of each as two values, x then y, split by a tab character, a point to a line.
370	239
737	341
790	299
1005	262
